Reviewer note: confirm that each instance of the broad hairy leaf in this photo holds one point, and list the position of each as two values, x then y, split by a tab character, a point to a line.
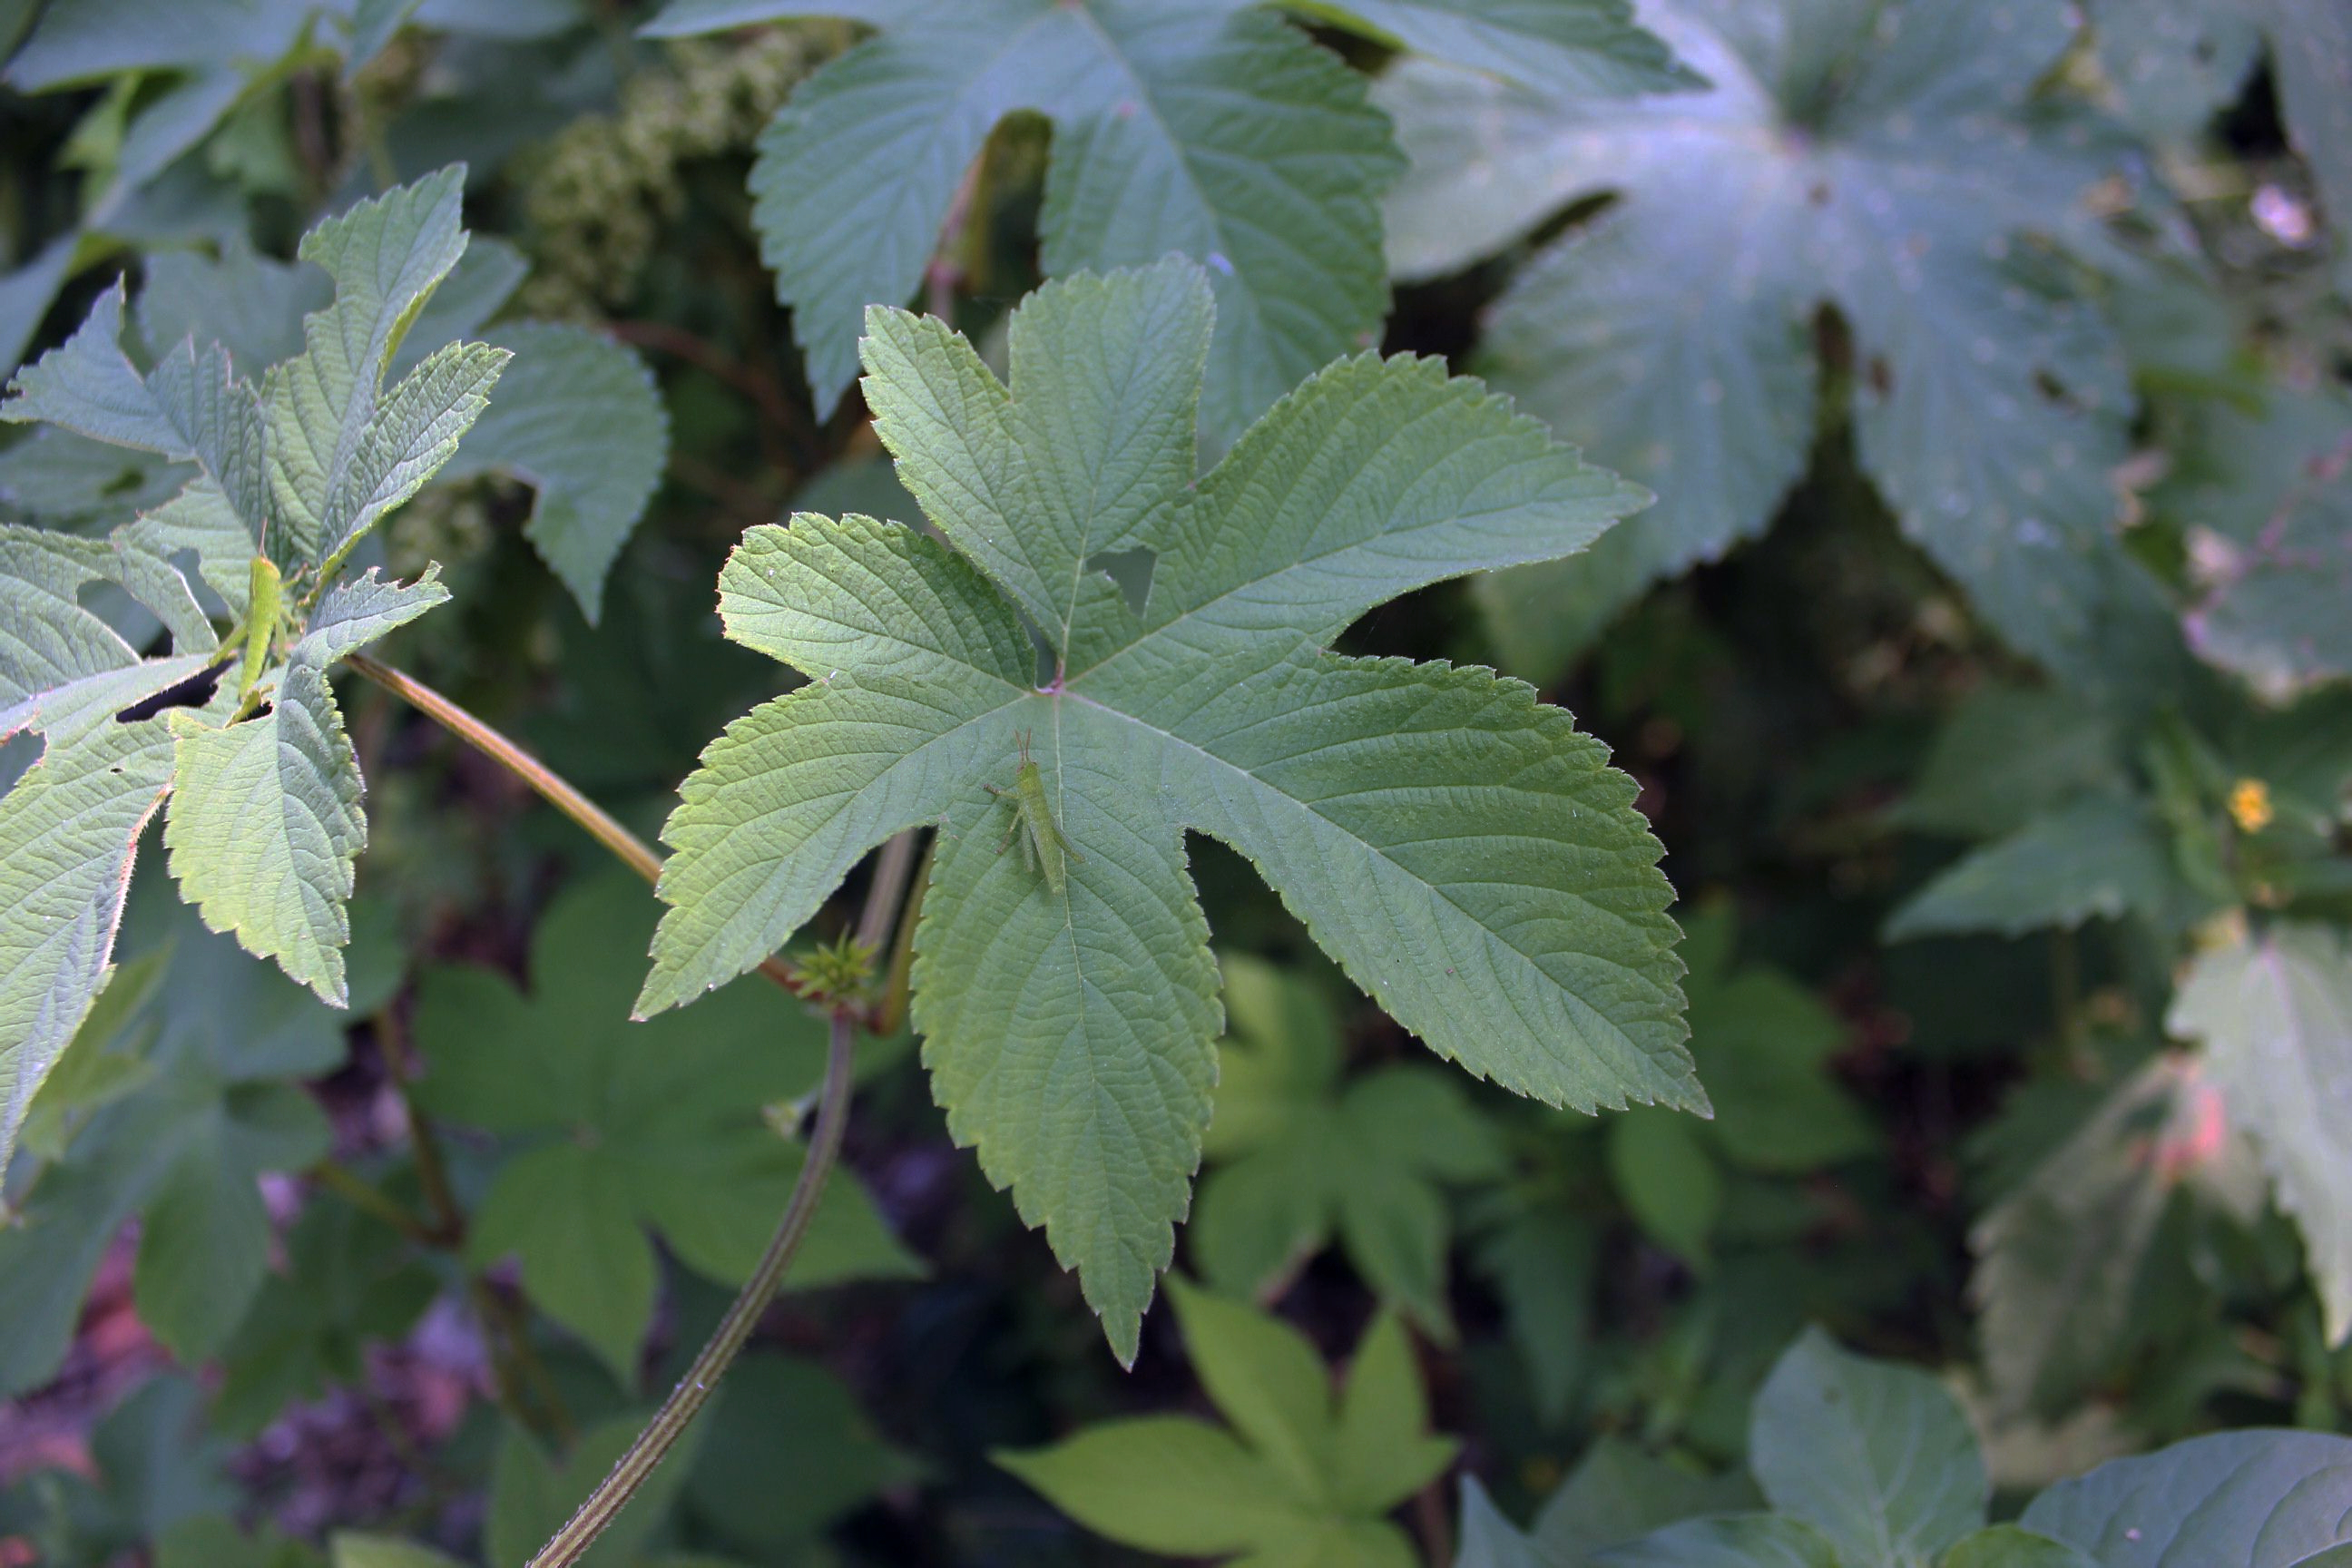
266	826
1596	44
1889	161
622	1128
1618	1493
2267	499
1299	1479
1296	1158
1621	1505
268	823
1469	859
2233	1499
2273	1009
2012	1546
2175	62
1879	1459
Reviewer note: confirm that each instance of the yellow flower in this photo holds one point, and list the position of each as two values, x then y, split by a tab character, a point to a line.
2250	806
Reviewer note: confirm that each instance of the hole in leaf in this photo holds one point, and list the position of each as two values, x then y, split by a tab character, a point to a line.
1132	570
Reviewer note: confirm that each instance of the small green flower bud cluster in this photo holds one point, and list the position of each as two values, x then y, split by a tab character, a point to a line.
598	193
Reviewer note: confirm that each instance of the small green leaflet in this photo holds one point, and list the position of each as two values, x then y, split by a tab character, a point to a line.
2274	1011
1296	1480
624	1128
1883	159
1202	127
1296	1158
1518	927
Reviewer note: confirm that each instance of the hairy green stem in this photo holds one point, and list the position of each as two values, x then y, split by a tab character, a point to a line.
552	787
633	852
701	1380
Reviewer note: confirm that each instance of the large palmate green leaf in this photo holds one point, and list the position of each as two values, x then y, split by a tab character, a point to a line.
1205	127
2233	1499
1465	854
1296	1158
2274	1010
1299	1479
1879	1459
1887	160
624	1128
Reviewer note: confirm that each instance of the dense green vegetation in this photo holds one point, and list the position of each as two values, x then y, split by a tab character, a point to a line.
1517	782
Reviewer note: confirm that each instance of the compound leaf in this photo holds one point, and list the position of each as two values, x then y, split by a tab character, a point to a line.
1882	160
327	466
624	1129
1298	1159
1300	1479
1392	804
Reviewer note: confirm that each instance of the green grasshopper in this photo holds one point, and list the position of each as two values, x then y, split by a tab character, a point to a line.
1043	842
